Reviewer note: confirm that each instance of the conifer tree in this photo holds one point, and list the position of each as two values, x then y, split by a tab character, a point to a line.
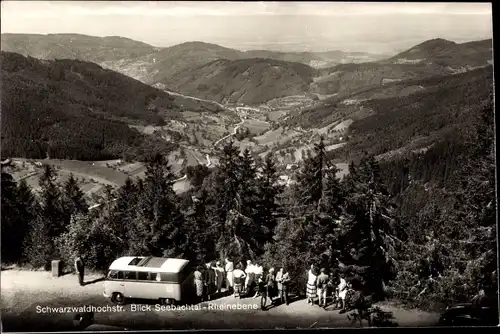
310	179
9	218
73	200
157	228
123	213
200	241
368	246
235	232
50	201
27	208
268	197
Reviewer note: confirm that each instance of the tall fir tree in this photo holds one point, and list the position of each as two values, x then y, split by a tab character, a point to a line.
268	191
232	229
73	199
49	222
10	231
51	202
310	179
200	241
368	247
157	231
123	213
27	208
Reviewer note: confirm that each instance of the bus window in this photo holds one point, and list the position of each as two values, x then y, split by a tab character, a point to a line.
142	275
121	275
113	274
130	275
135	261
153	276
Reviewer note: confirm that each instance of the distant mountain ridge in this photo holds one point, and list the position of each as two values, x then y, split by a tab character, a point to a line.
222	74
74	46
446	52
433	57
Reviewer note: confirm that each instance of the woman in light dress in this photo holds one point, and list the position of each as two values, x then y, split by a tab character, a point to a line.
250	279
229	274
342	291
311	285
259	271
198	282
219	276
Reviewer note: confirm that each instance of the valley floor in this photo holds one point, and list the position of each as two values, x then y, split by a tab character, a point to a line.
23	291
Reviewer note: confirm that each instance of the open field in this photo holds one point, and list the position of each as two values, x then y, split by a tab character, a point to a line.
23	291
334	146
256	126
93	176
276	136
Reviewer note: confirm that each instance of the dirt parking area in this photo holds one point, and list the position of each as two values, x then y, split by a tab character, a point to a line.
26	296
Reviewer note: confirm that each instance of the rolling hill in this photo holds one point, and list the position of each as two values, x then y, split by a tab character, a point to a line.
72	109
447	53
161	65
75	46
154	65
247	81
316	59
433	57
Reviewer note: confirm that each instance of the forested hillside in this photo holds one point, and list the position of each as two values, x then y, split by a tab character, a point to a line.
445	107
71	109
446	203
248	81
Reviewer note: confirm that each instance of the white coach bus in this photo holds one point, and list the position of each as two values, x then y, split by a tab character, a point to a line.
168	280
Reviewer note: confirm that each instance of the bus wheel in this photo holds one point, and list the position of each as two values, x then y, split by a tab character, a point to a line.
118	298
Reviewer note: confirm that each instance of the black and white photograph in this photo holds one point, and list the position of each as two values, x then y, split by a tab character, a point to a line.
201	165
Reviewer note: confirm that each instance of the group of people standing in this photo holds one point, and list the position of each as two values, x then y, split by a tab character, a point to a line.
208	280
318	285
242	281
246	280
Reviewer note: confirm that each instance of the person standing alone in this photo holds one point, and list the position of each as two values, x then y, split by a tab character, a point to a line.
285	280
311	285
80	268
322	284
209	280
229	275
219	276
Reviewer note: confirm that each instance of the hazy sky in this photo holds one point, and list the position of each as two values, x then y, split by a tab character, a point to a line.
294	26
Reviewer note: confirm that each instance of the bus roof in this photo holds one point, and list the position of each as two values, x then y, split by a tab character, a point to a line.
143	263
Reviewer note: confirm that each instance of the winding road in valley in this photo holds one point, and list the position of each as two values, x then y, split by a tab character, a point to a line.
235	130
194	98
231	134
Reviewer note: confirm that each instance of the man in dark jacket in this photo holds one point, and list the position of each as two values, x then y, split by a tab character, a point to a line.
80	269
209	279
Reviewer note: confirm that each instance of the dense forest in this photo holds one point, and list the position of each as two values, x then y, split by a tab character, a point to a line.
71	109
395	229
249	81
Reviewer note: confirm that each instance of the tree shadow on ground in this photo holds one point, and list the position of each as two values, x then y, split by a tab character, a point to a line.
100	279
